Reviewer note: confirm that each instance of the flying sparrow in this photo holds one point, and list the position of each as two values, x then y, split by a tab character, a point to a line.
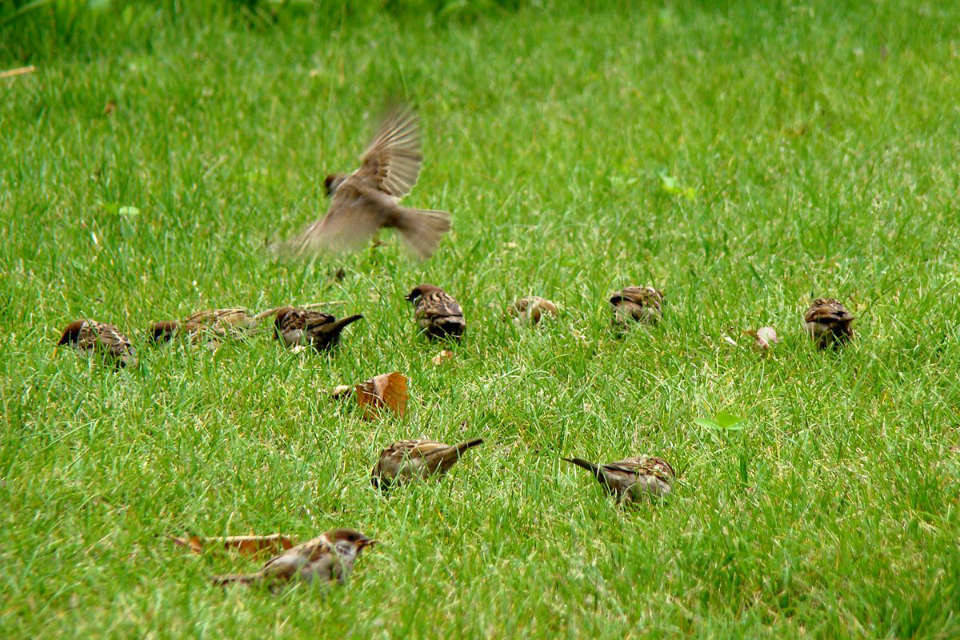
408	459
531	309
828	322
437	313
631	478
640	304
100	337
218	322
329	557
368	199
304	326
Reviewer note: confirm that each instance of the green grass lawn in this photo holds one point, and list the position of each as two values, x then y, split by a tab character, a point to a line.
743	160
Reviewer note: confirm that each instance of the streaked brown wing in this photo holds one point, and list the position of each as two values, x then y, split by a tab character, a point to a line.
89	336
314	319
112	339
630	465
439	304
392	161
426	448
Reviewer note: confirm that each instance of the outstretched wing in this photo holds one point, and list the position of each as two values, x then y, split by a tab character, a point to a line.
392	161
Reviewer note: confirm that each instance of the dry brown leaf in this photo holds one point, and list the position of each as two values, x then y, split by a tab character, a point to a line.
250	545
109	108
386	390
442	356
194	543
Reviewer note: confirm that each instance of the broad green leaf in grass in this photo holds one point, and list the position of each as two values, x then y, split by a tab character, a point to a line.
723	421
672	186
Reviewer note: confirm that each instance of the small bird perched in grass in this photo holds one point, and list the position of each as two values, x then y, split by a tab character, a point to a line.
326	558
637	304
216	322
304	326
368	199
531	309
408	459
632	478
436	312
100	337
828	323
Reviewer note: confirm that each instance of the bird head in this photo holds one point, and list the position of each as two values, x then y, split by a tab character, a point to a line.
421	290
348	542
71	335
163	331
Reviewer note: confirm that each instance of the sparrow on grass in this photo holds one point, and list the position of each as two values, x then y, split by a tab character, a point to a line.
637	304
216	322
828	323
304	326
408	459
327	558
531	309
368	199
99	337
632	478
436	312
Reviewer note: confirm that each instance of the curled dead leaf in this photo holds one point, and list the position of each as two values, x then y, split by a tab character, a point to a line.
764	337
250	545
441	357
387	390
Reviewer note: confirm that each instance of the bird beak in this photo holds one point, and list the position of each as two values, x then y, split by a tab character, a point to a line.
368	543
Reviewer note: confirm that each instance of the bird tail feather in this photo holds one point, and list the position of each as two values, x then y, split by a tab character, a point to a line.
422	229
589	466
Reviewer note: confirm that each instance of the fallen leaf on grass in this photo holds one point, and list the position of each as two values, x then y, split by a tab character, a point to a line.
386	390
244	544
442	356
723	421
765	337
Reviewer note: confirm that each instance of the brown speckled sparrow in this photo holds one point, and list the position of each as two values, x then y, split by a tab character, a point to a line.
217	322
368	199
436	312
531	309
640	304
632	478
100	337
409	459
327	558
828	322
304	326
